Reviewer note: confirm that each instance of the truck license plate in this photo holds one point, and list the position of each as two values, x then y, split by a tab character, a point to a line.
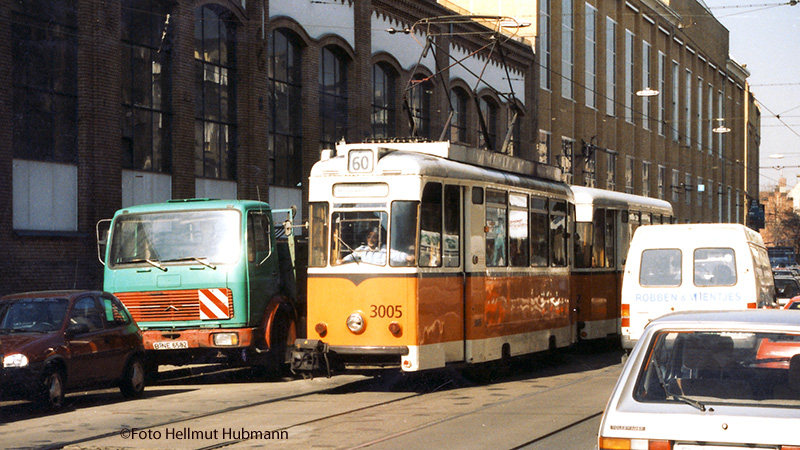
170	345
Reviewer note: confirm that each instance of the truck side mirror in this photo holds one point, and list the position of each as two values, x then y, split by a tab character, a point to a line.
102	230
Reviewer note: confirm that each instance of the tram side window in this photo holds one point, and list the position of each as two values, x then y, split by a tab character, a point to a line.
452	226
611	227
540	232
584	235
403	233
518	230
558	230
430	226
633	222
496	215
599	247
318	234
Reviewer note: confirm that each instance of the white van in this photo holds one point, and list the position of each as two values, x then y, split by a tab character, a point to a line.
692	267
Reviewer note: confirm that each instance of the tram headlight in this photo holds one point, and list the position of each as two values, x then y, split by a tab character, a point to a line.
356	322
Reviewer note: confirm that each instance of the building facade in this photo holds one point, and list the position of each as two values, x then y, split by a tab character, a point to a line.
111	104
642	96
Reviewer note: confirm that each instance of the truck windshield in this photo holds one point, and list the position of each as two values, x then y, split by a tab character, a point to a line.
204	237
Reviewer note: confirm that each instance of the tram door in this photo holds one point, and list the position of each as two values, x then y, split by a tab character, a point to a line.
441	262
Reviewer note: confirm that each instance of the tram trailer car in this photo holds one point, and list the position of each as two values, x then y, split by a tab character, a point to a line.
605	222
421	255
205	278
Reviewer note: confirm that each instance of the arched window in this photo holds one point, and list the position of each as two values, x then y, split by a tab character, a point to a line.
215	93
332	96
458	122
285	124
146	85
489	111
384	79
420	104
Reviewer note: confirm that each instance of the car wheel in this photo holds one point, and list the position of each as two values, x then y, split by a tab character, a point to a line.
51	394
133	379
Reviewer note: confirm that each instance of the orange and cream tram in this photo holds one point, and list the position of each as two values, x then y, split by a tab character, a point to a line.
604	226
424	254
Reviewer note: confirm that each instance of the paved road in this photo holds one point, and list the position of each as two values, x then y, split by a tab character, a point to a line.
543	403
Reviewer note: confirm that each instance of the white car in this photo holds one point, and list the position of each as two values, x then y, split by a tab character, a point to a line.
721	380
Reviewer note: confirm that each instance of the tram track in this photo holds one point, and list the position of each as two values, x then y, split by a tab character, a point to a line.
384	411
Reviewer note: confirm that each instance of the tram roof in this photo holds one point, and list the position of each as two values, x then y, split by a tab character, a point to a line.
445	160
600	197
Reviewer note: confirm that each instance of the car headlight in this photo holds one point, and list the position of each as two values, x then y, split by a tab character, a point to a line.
15	360
355	322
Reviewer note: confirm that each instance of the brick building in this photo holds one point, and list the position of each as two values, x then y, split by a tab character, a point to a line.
108	104
598	59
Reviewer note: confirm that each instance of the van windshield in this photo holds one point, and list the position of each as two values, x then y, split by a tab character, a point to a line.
742	368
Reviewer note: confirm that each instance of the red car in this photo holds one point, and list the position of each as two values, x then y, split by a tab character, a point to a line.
794	303
52	342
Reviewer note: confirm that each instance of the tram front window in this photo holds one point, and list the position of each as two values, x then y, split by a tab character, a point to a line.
360	237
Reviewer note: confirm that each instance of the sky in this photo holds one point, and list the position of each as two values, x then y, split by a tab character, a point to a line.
765	38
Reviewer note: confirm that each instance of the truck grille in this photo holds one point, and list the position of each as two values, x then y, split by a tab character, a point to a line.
168	306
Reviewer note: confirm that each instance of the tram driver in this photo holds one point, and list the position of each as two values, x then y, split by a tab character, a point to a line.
372	253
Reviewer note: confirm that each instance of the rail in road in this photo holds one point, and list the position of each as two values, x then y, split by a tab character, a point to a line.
537	401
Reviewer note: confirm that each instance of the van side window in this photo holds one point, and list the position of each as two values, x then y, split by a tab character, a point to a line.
660	267
714	267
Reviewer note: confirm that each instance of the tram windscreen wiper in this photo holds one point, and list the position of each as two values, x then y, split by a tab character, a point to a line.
352	251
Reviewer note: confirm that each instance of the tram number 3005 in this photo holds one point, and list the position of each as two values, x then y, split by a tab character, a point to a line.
383	311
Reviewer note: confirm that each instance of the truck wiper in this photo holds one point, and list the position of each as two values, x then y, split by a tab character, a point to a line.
153	263
202	260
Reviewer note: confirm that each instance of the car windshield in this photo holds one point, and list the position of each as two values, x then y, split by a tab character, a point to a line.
38	315
204	237
742	368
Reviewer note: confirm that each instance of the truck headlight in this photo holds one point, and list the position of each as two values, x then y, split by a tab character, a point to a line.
226	339
15	360
355	322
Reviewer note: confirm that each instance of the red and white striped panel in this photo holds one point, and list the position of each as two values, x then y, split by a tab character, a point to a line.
213	304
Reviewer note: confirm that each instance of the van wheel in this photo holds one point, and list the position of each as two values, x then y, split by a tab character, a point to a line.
51	390
133	379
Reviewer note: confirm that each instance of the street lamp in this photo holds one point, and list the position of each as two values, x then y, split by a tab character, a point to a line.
721	128
647	92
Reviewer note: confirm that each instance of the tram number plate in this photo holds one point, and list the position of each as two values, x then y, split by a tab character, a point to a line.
360	161
170	345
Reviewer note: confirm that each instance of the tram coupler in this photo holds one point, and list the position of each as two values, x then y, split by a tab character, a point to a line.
310	355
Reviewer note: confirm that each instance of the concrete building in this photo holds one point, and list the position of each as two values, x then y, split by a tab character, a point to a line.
642	96
111	104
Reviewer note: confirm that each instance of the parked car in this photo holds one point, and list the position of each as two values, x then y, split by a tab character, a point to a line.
52	342
793	303
709	379
786	287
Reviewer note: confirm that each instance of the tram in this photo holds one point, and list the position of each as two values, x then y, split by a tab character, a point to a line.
604	225
427	254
